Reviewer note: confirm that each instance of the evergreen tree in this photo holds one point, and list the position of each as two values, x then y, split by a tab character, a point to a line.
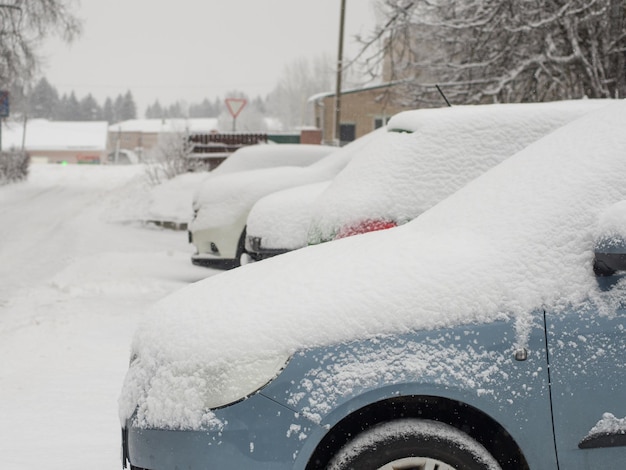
90	109
43	101
108	113
128	108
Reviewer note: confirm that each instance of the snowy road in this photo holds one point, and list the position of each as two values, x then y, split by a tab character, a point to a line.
76	274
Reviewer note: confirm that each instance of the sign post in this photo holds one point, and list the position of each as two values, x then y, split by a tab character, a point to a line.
235	105
4	110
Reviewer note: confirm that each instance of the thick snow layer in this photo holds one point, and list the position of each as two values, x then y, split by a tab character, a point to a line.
172	200
157	126
609	424
255	157
446	148
42	134
77	271
282	218
486	252
226	198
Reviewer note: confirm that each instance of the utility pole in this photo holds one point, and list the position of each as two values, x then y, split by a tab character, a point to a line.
342	17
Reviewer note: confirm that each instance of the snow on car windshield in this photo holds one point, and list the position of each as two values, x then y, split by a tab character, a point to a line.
517	238
446	148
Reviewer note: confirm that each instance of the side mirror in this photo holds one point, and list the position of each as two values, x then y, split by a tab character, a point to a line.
610	247
610	256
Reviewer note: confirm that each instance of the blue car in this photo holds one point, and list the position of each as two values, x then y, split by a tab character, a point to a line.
489	333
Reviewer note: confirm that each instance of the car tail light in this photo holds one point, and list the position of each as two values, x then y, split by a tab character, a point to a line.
364	227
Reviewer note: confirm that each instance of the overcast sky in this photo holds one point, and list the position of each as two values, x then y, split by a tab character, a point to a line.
190	49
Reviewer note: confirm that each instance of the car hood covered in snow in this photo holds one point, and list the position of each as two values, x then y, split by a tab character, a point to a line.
517	238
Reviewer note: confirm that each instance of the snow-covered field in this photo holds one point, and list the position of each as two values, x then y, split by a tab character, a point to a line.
77	272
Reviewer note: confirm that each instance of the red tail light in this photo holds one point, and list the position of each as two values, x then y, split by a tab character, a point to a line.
364	227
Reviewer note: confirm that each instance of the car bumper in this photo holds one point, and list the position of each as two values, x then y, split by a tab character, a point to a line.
257	433
211	261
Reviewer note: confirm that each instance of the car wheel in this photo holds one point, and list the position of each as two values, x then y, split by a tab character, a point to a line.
241	249
412	444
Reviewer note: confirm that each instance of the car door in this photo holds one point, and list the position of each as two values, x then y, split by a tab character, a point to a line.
587	357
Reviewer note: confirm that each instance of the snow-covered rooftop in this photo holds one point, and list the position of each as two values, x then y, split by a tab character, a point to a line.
165	125
42	134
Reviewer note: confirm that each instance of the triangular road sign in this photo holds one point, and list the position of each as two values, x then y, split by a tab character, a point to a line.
235	105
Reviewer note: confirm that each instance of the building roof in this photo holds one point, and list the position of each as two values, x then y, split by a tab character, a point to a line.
327	94
42	134
156	126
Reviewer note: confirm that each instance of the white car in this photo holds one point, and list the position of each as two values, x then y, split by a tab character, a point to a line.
222	205
427	155
255	157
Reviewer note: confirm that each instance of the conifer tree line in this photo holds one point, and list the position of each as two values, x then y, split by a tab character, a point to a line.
44	101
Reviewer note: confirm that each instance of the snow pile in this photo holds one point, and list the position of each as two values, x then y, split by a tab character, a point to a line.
607	426
172	200
42	134
447	147
487	252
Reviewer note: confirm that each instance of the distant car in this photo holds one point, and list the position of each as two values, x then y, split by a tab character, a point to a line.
222	205
476	336
427	155
255	157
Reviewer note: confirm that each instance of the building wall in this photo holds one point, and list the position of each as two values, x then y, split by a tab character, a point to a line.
142	143
68	156
363	108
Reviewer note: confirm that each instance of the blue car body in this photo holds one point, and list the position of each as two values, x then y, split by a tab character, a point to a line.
531	406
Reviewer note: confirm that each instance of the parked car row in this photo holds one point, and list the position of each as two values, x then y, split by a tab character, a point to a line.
382	180
487	333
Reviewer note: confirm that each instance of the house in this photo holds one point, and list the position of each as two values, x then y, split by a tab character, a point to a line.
57	141
143	136
362	111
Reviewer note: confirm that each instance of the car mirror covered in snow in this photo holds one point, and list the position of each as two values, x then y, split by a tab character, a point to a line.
610	246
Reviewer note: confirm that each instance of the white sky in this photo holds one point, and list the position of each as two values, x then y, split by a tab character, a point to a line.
190	50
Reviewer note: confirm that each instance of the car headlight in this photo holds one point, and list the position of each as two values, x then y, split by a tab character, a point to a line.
181	393
229	383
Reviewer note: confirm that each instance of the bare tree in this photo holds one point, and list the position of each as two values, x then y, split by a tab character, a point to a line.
23	25
504	50
300	79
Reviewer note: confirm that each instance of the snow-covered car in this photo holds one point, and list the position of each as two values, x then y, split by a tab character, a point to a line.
427	155
279	223
218	230
255	157
477	336
438	151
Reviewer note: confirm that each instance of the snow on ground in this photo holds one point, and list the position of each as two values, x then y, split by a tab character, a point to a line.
77	272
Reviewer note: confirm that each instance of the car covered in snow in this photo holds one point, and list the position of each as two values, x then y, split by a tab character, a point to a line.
222	205
488	333
255	157
426	155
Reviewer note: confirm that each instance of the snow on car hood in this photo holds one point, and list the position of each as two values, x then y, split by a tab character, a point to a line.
517	238
447	147
224	198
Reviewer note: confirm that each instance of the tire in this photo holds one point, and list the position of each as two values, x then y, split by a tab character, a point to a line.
413	444
241	249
